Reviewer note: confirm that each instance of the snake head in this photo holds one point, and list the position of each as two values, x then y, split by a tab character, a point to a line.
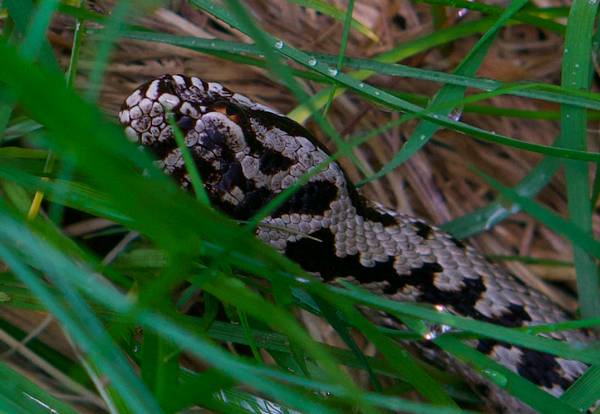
245	152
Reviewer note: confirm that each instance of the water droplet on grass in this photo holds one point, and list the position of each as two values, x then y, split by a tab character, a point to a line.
429	336
496	377
456	114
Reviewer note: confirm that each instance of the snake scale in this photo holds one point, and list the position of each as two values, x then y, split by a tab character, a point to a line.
247	153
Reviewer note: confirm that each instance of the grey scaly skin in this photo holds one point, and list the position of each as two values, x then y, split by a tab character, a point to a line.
247	153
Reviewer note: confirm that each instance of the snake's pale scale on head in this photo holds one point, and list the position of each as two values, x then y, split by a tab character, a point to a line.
247	153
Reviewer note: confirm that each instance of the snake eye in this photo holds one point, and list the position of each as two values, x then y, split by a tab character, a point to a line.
233	111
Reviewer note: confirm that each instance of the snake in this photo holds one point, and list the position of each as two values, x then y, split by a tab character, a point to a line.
247	153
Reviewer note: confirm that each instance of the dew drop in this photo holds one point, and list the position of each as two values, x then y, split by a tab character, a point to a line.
302	280
462	13
496	377
279	44
332	71
429	336
377	93
361	85
312	61
434	330
456	114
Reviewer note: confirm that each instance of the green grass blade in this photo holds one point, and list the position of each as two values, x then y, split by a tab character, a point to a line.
160	367
341	55
19	395
190	167
581	238
104	49
577	73
584	392
36	35
21	12
485	218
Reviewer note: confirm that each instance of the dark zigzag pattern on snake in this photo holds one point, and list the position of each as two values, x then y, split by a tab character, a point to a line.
247	153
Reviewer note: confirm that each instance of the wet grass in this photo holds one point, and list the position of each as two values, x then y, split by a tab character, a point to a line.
59	148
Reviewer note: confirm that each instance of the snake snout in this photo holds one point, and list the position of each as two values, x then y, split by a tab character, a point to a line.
143	112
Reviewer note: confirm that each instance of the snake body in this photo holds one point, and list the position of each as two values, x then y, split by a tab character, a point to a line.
247	153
